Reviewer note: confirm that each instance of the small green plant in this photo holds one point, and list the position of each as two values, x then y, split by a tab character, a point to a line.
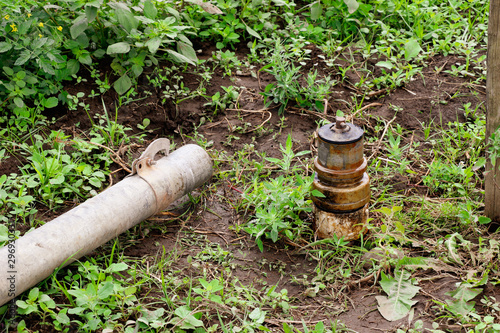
98	299
278	204
212	290
214	252
55	174
185	319
226	100
288	156
286	87
450	178
228	61
225	31
111	132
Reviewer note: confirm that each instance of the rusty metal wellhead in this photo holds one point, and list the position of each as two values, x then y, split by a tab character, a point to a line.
341	177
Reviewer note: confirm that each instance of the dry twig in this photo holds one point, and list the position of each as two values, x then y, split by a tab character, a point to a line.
379	142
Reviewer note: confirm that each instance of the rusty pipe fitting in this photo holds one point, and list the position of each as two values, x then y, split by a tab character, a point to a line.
341	177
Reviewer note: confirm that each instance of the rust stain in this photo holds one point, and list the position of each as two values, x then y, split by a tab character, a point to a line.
347	225
341	177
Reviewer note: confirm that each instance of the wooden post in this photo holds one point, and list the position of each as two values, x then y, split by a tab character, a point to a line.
492	179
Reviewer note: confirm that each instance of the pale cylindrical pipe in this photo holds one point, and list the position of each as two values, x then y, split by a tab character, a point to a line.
79	231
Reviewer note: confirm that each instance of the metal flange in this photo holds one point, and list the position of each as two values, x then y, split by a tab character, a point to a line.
147	157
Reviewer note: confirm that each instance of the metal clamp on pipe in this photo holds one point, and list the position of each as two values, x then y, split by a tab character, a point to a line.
152	186
144	166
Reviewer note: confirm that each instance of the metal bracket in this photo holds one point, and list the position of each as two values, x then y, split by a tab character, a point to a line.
147	157
144	167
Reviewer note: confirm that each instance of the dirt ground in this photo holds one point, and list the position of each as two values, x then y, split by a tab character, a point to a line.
432	97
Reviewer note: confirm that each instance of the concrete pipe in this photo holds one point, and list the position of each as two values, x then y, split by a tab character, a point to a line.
156	184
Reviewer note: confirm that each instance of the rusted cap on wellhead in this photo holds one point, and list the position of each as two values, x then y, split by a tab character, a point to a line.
340	132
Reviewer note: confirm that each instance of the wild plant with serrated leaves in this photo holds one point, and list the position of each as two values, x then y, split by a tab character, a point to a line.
278	204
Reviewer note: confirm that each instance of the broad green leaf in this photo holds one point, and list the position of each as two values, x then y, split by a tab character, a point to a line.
33	294
483	220
481	162
179	57
120	47
27	91
76	310
117	267
126	19
400	291
106	290
273	160
21	304
184	313
412	49
260	244
95	182
187	51
118	68
316	10
24	56
73	66
21	326
137	70
99	53
352	5
289	143
24	27
58	180
258	315
464	292
39	43
4	47
123	84
150	10
253	32
301	153
62	317
318	194
274	235
90	13
320	327
153	44
56	57
4	233
19	102
287	329
51	102
460	308
49	302
46	66
79	26
83	41
130	290
85	58
385	64
9	71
